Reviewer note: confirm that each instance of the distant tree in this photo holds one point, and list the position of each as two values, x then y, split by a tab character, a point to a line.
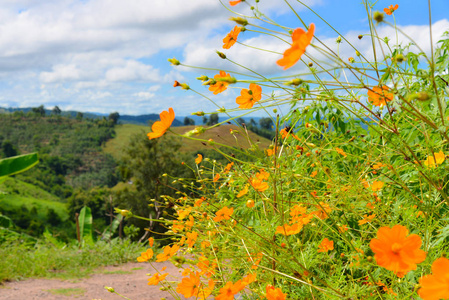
266	123
40	111
8	149
188	121
79	115
241	121
56	111
114	117
213	119
205	120
252	122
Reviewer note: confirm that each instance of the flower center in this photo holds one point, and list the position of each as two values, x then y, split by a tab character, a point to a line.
396	247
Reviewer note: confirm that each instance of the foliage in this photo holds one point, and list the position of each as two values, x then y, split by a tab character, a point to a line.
349	201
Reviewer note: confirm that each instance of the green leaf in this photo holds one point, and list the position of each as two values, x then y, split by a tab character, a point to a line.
17	164
109	231
5	222
85	221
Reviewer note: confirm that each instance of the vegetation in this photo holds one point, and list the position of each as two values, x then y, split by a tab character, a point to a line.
348	202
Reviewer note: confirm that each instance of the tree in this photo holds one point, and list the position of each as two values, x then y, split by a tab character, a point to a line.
143	167
266	123
79	115
188	121
8	149
40	111
213	119
114	117
56	111
241	121
205	120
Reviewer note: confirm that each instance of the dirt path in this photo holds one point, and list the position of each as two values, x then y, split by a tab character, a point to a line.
129	280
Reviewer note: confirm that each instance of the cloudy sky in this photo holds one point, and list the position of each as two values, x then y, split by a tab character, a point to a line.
111	55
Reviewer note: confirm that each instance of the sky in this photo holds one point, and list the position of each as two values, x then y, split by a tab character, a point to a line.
111	55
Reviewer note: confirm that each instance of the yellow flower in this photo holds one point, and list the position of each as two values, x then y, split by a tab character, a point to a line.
433	160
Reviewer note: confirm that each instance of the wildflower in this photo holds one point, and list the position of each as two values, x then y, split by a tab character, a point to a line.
379	96
259	185
183	213
287	229
151	241
343	228
274	293
191	238
231	38
300	41
378	165
219	86
313	174
433	160
156	279
250	278
234	3
223	214
160	127
250	203
367	219
204	291
168	252
189	285
247	97
262	175
270	152
377	186
286	132
326	245
228	167
243	192
184	86
340	151
229	290
436	286
395	251
216	177
145	256
391	9
199	202
199	159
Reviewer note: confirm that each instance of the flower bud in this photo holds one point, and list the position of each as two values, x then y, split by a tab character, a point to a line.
351	60
203	78
360	36
221	109
357	53
227	79
294	82
174	61
109	289
399	58
240	21
338	40
198	113
378	16
184	86
221	54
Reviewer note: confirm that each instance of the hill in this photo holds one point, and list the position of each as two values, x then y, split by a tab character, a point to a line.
220	134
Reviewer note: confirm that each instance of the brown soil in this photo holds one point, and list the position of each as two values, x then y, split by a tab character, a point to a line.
129	280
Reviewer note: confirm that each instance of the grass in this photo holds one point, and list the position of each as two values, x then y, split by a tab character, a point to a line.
21	260
220	134
16	193
68	292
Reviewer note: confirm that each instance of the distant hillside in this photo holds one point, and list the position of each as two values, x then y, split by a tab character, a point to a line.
143	119
220	134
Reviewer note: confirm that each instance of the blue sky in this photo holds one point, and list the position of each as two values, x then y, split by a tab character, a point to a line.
111	55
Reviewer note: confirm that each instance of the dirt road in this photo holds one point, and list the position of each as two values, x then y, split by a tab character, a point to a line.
129	280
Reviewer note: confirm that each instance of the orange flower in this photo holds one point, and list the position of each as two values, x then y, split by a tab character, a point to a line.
313	174
247	97
259	185
263	175
286	132
223	214
377	186
300	41
433	160
160	127
342	228
216	177
367	219
219	86
378	165
229	290
274	293
145	256
436	286
243	192
199	159
326	245
395	251
228	167
231	38
340	151
168	252
205	291
379	96
234	3
189	286
151	241
156	279
191	238
390	9
289	229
